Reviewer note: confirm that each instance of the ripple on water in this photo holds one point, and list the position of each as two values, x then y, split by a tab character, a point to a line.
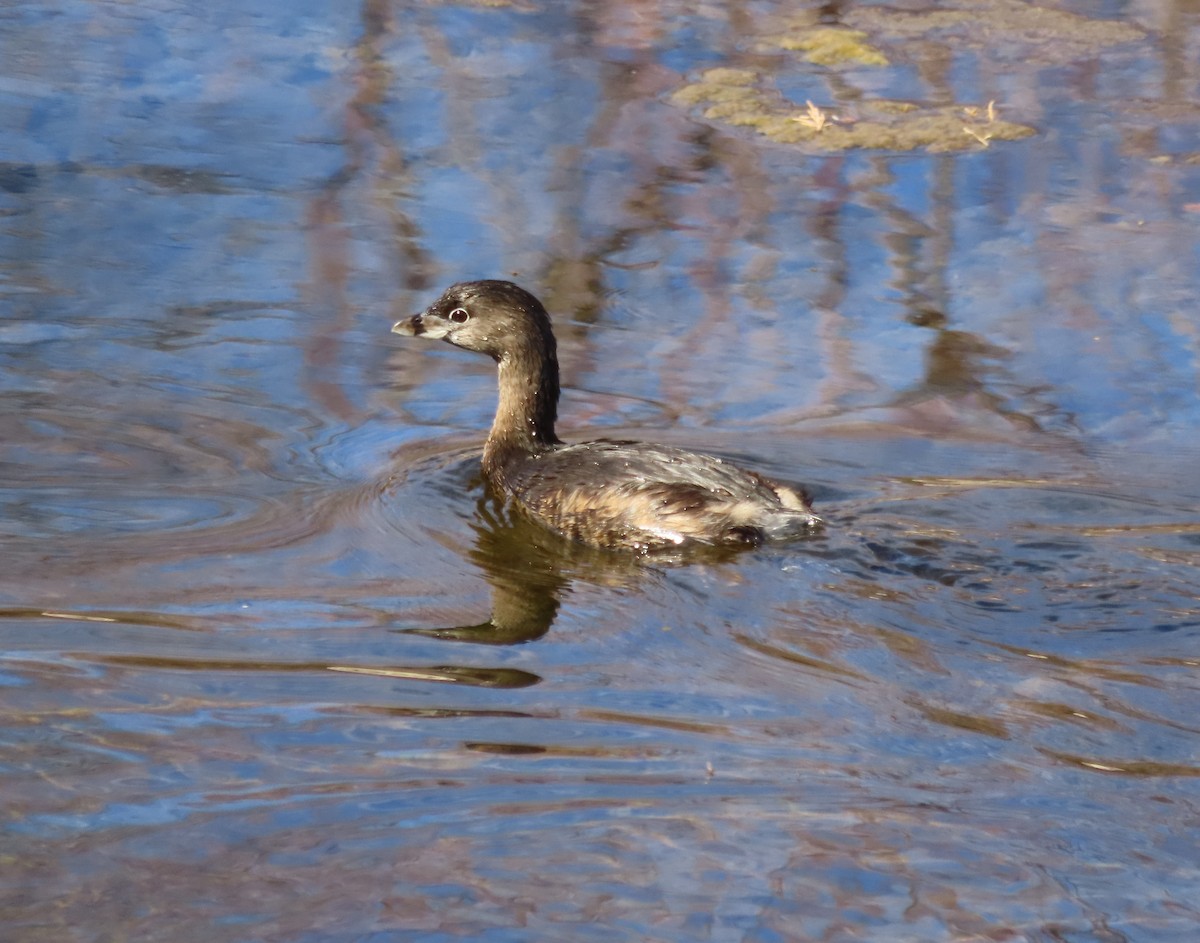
1068	550
997	610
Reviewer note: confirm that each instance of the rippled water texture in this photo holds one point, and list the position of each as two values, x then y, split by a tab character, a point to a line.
275	669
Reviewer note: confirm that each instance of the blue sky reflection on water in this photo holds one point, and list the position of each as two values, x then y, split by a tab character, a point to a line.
275	670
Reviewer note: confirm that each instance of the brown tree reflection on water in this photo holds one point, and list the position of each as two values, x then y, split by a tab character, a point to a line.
683	181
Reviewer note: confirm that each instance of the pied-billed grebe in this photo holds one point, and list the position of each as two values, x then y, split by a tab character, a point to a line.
630	495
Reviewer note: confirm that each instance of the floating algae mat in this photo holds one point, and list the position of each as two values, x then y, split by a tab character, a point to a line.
1001	29
1008	28
828	45
738	97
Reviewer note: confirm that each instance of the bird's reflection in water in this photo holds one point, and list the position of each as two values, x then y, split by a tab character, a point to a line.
530	568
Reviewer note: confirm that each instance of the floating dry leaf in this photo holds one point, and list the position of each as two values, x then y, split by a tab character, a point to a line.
815	119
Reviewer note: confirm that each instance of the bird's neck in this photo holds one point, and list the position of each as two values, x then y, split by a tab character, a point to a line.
524	423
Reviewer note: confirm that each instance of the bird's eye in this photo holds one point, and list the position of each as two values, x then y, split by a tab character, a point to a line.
460	315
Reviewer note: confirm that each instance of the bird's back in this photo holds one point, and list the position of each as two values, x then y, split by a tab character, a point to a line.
636	495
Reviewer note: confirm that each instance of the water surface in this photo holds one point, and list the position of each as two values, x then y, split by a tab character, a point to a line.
276	669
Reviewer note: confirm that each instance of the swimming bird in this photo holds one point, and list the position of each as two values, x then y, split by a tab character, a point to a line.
614	494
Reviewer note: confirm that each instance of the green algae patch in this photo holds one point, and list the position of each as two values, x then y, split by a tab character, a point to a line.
933	130
1003	28
724	76
736	98
719	86
886	107
829	46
